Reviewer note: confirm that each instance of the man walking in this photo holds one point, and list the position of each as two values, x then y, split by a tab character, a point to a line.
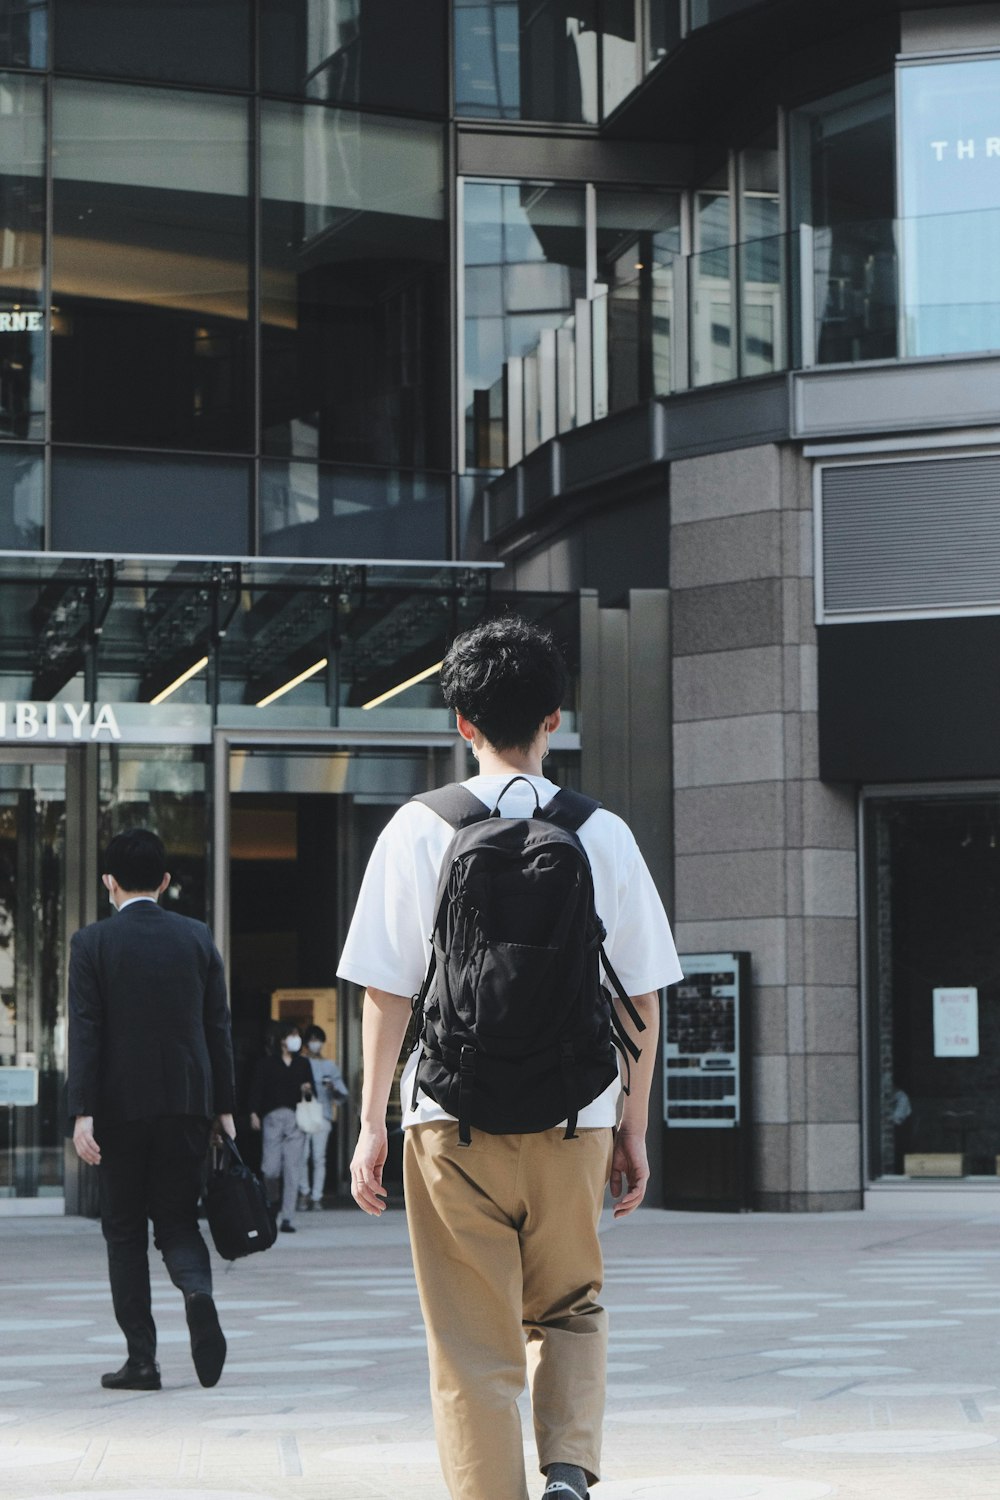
504	1230
150	1065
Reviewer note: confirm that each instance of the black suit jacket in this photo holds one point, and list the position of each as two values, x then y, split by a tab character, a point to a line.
149	1030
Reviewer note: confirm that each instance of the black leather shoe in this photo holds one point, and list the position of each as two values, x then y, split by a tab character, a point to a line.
287	1227
208	1344
140	1377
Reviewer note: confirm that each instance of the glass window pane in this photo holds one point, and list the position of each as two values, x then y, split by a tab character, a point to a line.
24	33
638	240
354	288
528	243
151	278
664	28
950	205
22	250
22	502
170	41
357	52
527	59
314	510
108	502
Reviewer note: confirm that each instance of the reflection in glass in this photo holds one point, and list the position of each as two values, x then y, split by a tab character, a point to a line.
619	52
22	250
151	276
22	502
525	269
354	288
315	510
638	240
32	1004
23	33
119	503
664	28
169	41
374	52
842	151
526	59
950	200
162	789
762	259
713	357
933	868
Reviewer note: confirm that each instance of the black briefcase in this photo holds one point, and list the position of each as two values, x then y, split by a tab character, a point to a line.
239	1215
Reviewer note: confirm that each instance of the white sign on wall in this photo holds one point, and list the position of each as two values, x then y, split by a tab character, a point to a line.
956	1022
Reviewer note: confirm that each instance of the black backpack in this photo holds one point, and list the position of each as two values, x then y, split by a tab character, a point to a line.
516	1030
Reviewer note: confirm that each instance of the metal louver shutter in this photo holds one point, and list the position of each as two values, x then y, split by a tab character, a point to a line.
921	536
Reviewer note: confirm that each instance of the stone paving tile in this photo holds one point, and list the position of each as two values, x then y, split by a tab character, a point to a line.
753	1358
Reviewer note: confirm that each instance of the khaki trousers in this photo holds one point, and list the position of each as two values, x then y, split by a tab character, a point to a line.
509	1268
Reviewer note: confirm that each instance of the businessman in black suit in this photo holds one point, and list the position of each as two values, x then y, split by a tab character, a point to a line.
150	1068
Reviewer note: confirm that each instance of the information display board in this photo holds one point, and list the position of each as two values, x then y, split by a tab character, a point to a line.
701	1044
19	1086
707	1115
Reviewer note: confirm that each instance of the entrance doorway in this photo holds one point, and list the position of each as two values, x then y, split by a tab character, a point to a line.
32	993
298	821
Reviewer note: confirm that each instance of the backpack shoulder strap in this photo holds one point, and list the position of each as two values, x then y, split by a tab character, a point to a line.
569	810
455	804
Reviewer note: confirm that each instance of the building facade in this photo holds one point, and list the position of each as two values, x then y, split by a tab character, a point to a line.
327	326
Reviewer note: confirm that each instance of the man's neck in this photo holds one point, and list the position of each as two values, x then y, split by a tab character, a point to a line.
509	762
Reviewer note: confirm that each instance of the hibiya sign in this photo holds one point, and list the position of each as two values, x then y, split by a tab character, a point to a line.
61	722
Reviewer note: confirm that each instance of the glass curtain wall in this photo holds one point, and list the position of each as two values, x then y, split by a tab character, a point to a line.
638	237
23	33
22	256
355	351
172	41
151	341
527	60
713	351
949	148
360	52
843	193
763	259
525	271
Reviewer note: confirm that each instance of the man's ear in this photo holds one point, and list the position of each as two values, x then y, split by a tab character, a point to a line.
163	884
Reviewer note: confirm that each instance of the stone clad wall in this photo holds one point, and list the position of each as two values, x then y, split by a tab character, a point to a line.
765	852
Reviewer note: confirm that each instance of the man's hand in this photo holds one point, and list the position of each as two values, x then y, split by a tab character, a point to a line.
366	1169
87	1148
629	1169
223	1125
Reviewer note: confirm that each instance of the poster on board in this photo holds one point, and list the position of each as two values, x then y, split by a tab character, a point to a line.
956	1022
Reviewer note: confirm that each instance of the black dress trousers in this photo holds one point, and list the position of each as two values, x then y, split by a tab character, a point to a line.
152	1169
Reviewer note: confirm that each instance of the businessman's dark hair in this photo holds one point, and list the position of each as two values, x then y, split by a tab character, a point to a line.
137	860
504	676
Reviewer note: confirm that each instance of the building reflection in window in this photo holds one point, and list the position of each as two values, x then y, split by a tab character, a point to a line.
527	59
525	268
196	41
22	249
638	239
22	501
24	33
151	343
361	52
319	510
355	345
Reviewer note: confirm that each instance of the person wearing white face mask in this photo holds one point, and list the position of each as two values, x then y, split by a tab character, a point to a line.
281	1080
330	1090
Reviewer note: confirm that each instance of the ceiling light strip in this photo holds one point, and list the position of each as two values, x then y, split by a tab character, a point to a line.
287	686
179	682
402	686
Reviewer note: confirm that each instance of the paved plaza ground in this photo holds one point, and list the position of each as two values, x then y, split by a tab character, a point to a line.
752	1358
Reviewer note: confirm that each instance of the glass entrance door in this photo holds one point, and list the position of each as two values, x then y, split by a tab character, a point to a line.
32	975
301	826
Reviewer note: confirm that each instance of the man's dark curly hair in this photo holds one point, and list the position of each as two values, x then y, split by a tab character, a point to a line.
504	676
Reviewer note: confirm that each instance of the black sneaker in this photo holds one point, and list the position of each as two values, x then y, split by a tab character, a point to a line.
287	1227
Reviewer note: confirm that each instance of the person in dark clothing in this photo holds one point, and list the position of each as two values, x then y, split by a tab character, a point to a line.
150	1067
281	1080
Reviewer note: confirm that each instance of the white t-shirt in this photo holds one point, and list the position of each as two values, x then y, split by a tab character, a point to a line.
388	944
